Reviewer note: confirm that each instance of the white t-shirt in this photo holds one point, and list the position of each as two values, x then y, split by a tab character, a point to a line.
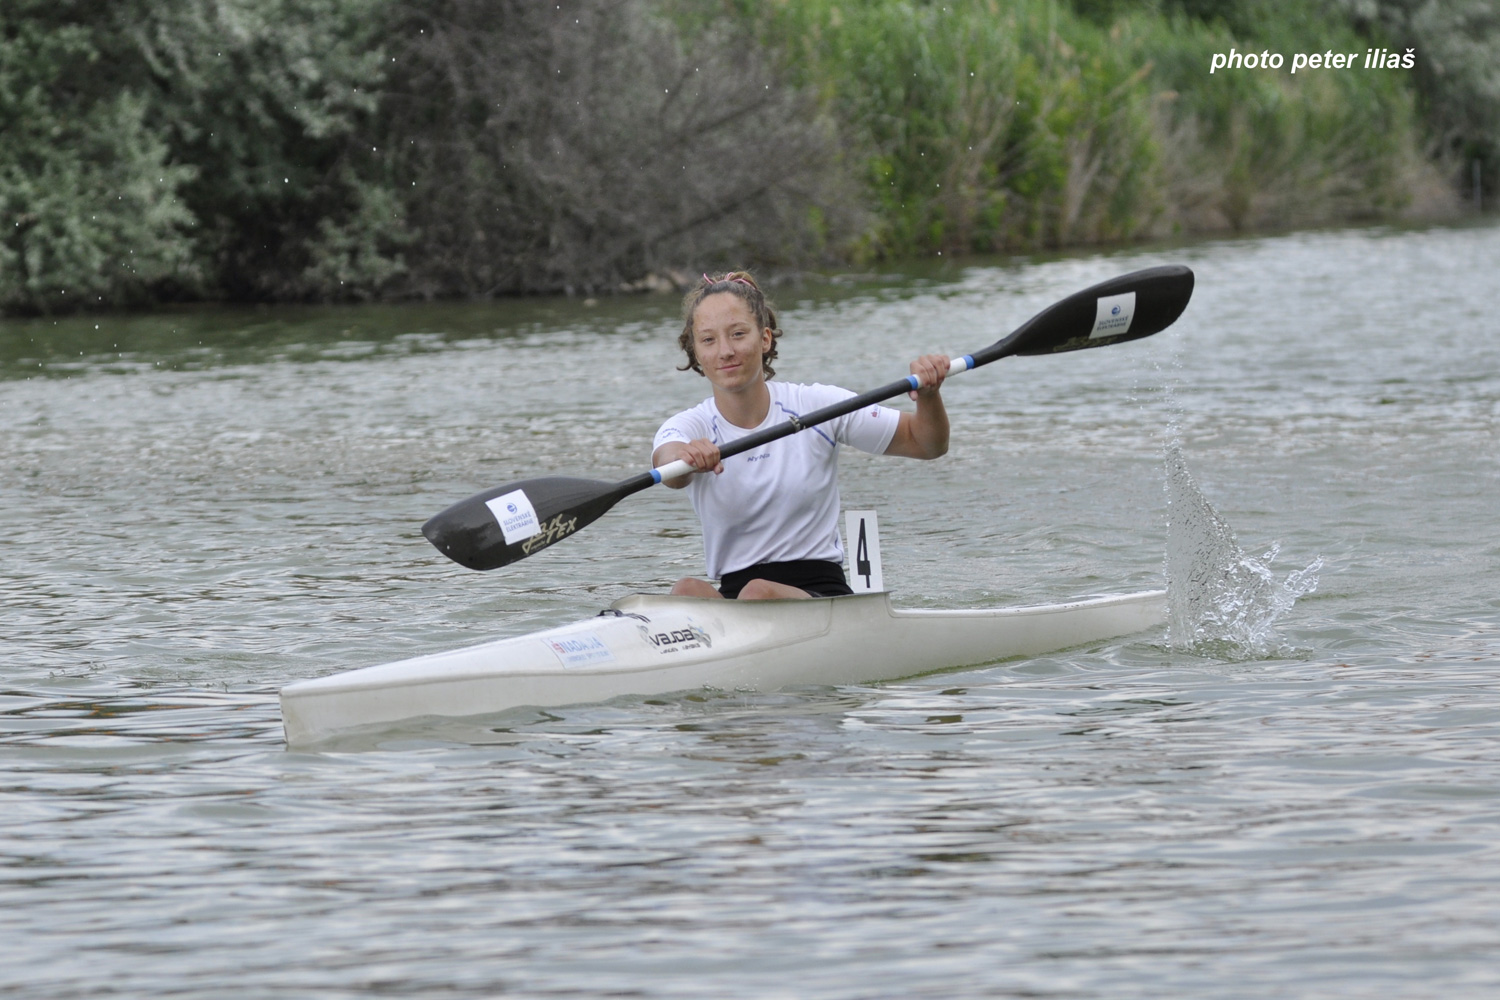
780	501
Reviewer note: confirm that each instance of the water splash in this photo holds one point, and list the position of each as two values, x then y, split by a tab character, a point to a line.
1220	601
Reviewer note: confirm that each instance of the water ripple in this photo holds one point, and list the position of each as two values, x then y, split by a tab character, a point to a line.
220	503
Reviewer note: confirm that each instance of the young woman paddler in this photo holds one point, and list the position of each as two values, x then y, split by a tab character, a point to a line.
770	515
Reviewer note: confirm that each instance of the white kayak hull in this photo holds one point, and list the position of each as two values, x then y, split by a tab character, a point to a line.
646	645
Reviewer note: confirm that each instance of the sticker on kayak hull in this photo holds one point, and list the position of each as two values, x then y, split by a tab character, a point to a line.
515	515
1112	315
676	640
581	649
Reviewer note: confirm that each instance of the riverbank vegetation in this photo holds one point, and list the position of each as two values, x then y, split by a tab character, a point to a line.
317	150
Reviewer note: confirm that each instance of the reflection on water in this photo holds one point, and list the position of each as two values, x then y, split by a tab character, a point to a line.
194	339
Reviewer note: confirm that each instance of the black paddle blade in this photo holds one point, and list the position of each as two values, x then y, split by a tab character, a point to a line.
1129	307
510	522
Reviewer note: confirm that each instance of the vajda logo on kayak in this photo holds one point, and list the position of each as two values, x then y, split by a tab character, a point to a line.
677	639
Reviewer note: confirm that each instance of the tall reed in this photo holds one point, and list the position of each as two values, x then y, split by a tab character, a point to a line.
989	125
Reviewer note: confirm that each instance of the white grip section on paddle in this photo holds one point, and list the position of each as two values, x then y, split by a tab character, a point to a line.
674	470
955	365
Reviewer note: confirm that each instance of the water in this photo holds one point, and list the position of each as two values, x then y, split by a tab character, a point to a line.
199	507
1220	601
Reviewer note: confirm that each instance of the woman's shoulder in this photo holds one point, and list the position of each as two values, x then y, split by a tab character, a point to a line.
803	396
695	416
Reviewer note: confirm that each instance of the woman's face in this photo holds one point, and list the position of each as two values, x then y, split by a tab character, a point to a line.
727	343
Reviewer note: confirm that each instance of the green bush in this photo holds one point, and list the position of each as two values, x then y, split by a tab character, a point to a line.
188	148
1457	49
993	125
1263	148
273	102
341	149
987	126
336	149
89	196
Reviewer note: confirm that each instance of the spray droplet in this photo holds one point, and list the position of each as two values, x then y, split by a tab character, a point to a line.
1220	601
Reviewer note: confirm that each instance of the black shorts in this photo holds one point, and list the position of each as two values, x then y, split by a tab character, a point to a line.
817	577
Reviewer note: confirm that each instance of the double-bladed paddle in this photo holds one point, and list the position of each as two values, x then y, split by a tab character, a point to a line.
508	523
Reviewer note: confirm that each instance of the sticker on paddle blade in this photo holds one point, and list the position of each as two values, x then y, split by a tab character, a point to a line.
1112	315
515	515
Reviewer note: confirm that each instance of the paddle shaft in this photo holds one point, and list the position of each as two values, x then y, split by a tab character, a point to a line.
1072	324
673	470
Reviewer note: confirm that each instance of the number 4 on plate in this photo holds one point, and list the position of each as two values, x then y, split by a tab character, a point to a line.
862	532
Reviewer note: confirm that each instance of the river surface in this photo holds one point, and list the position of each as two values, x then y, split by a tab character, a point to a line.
199	507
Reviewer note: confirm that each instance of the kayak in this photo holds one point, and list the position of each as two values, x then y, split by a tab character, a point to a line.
656	644
652	644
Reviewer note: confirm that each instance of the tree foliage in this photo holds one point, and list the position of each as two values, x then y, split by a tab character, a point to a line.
1457	43
325	149
1264	148
996	126
582	145
89	194
153	150
273	102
